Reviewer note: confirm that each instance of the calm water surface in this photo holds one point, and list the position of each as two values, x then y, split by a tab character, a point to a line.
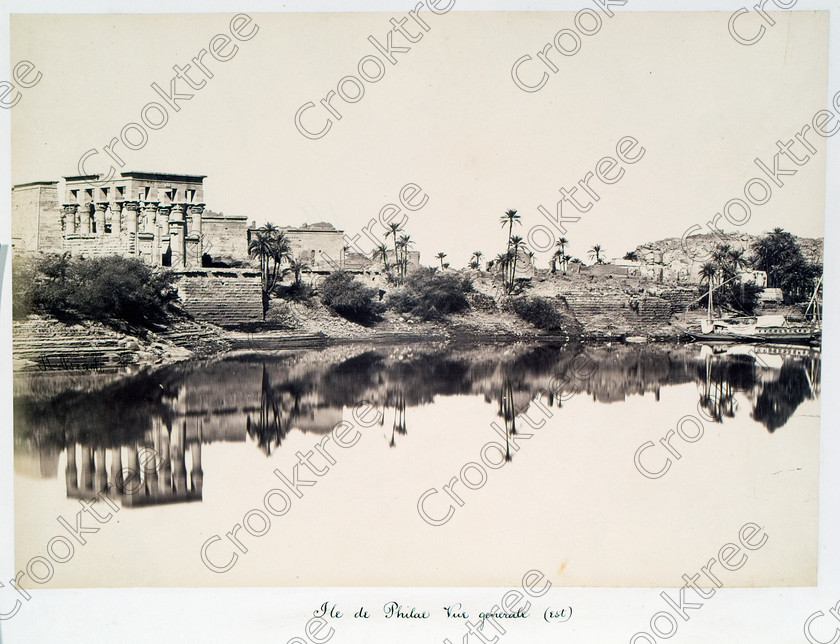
623	465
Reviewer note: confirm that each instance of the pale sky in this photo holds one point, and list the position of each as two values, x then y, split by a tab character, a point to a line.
447	117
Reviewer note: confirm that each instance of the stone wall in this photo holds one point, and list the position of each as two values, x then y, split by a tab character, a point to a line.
222	296
224	236
36	217
92	245
616	308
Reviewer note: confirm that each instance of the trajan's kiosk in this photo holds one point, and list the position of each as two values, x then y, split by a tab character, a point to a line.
157	217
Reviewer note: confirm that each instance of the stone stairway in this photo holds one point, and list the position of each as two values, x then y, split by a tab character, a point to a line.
51	346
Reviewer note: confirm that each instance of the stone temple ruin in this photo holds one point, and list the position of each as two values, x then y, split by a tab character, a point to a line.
157	217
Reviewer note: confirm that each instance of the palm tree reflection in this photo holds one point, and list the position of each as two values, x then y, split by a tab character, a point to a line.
507	411
399	426
269	429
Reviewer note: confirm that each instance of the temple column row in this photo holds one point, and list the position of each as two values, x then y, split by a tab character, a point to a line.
169	224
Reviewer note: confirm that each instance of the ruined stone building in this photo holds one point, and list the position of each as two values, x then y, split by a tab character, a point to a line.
157	217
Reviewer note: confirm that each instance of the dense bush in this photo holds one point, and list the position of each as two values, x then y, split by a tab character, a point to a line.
539	311
431	295
349	298
296	292
111	289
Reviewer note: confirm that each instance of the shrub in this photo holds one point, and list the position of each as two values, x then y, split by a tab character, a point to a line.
430	295
296	292
349	298
112	289
539	311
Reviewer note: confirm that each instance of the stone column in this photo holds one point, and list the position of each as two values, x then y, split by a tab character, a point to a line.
177	234
116	219
84	218
150	225
149	211
69	218
196	211
163	218
99	217
131	211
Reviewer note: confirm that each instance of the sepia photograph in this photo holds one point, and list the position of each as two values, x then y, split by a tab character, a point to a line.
429	298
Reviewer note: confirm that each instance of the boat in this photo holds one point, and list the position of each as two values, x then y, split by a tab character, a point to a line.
759	328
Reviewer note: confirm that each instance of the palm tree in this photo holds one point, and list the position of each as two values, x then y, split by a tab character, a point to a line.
738	258
297	266
441	256
381	252
508	219
560	254
565	260
516	244
595	253
405	244
393	230
272	247
503	260
475	260
707	274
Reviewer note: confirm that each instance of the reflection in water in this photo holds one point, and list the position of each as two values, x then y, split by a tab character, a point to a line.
155	424
149	471
399	426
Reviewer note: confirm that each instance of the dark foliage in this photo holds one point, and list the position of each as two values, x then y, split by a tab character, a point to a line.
431	295
778	254
115	290
349	298
539	311
296	292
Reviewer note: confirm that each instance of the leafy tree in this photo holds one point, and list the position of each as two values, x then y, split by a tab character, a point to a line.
349	298
116	290
272	247
432	295
778	255
539	311
381	252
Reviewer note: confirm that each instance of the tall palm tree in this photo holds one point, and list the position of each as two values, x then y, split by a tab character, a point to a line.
595	253
475	260
561	251
405	244
381	252
707	274
508	219
393	229
503	260
516	244
272	247
441	257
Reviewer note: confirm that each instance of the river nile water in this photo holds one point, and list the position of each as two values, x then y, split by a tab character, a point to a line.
464	466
